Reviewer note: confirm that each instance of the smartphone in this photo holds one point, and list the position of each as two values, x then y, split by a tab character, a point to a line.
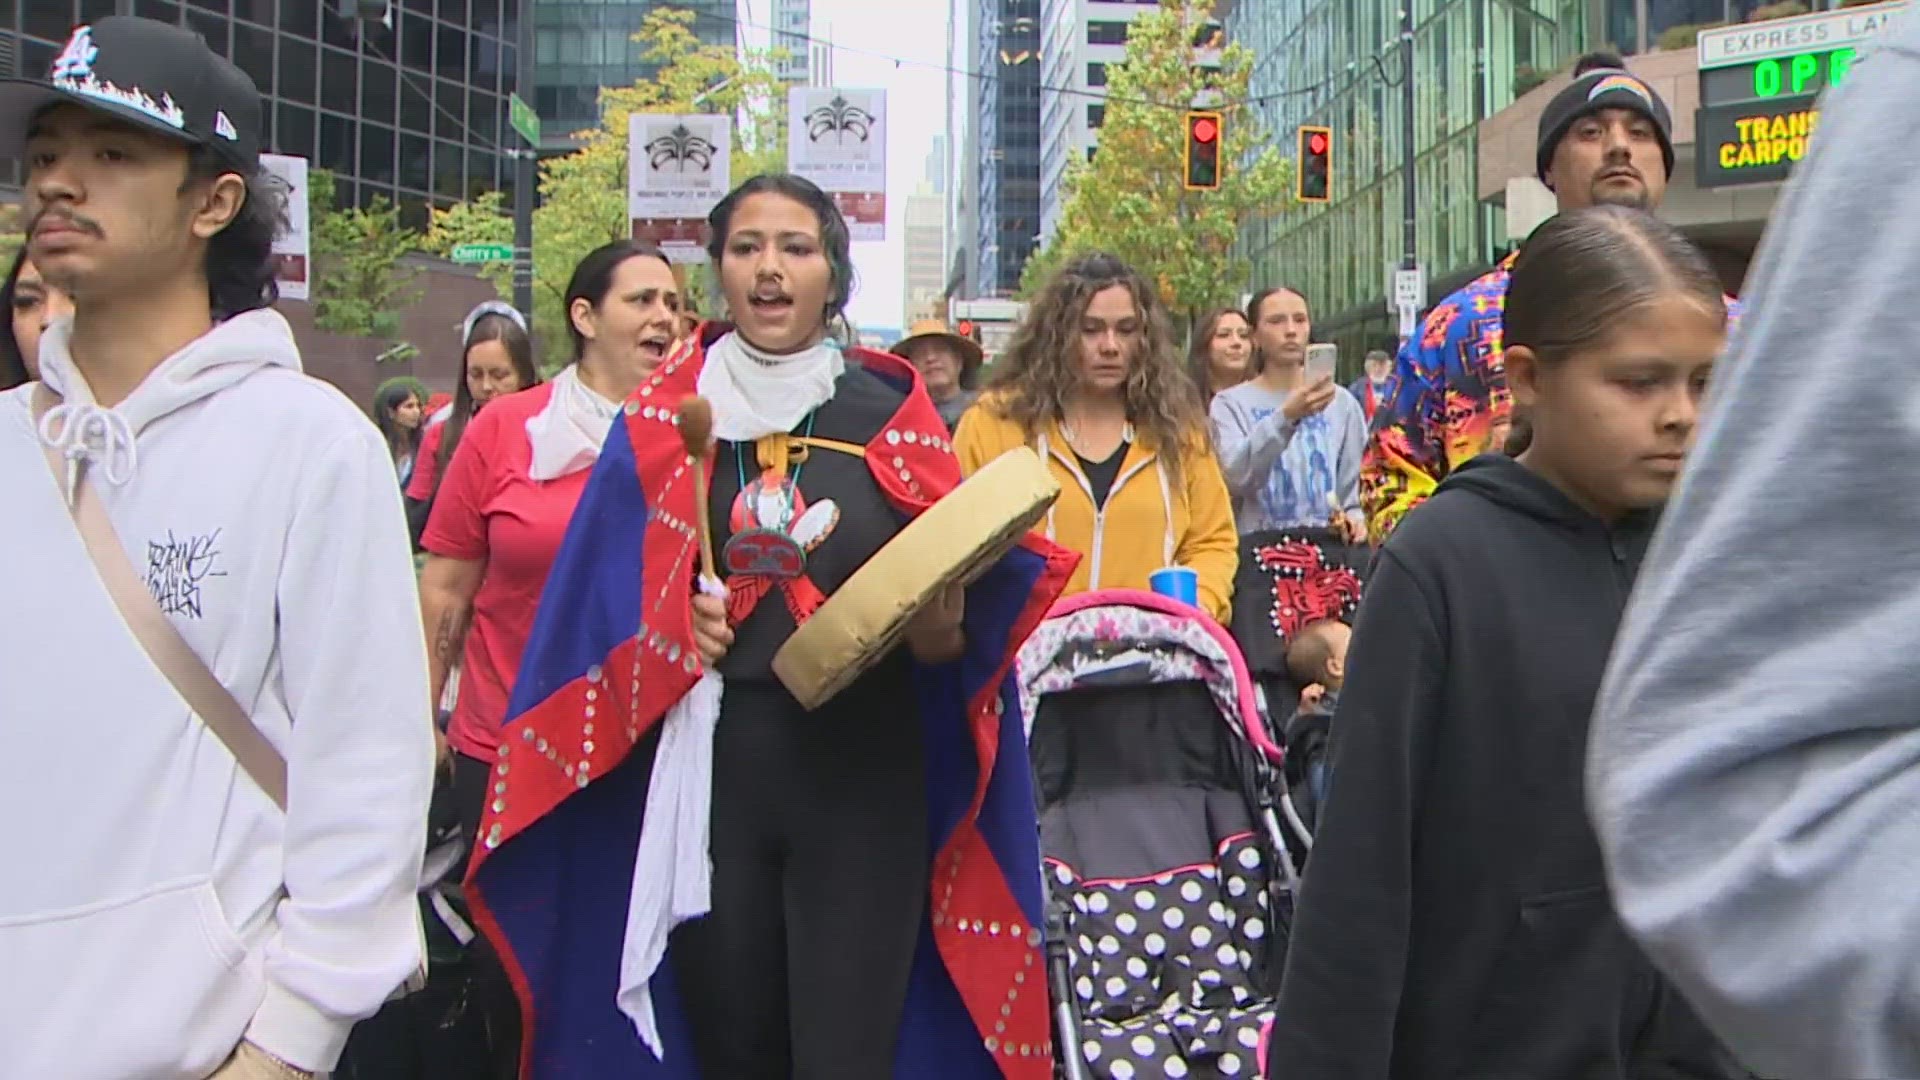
1321	361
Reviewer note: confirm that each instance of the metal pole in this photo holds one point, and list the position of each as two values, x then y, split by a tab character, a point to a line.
1408	199
524	172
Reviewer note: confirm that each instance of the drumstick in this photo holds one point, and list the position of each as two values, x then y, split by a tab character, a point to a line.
696	431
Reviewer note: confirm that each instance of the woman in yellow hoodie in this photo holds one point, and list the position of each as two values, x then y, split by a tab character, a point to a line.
1093	383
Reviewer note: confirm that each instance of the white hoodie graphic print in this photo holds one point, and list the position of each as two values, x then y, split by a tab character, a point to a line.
155	907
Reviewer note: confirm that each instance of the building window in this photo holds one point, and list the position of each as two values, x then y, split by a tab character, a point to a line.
447	180
293	134
337	89
377	91
1096	74
253	52
336	145
164	10
1106	33
1096	116
416	42
415	156
376	154
298	70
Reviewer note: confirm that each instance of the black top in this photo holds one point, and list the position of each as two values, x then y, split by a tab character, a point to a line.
1102	474
1454	920
860	408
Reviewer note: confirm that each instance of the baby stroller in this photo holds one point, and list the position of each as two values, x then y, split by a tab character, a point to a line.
1169	840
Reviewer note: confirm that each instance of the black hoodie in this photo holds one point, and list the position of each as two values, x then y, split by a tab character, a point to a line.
1454	921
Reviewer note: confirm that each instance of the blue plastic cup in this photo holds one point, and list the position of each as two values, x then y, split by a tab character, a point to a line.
1180	583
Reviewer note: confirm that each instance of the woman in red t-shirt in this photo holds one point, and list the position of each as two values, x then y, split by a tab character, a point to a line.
510	488
496	359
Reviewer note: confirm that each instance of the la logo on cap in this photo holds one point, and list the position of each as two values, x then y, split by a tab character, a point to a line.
75	62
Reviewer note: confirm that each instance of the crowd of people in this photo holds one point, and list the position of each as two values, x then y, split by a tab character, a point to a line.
544	805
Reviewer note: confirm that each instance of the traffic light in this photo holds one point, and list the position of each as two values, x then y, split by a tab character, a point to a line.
1203	151
966	329
1314	178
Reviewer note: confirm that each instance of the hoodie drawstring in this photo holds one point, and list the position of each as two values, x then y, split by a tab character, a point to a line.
83	433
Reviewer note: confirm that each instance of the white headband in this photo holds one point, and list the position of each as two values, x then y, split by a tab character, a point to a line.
490	307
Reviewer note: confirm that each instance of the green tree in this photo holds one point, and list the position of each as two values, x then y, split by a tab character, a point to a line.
1130	199
359	285
584	193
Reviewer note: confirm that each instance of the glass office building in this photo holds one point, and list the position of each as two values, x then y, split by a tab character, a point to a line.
1337	62
415	113
583	45
1009	143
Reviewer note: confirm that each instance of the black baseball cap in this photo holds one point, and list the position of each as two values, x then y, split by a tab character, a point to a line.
152	75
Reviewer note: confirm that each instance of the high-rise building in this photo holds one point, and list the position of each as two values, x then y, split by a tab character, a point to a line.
924	240
584	45
1316	63
963	146
792	34
416	113
1008	63
1079	41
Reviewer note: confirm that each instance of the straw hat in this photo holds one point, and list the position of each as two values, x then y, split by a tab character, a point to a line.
971	355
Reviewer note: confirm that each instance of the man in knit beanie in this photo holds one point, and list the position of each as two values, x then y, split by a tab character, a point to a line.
1605	138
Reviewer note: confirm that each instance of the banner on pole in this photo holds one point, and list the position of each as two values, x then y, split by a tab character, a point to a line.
838	139
678	168
292	246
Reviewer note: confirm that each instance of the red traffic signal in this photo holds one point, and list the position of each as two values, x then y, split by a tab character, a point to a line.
1202	158
966	328
1313	178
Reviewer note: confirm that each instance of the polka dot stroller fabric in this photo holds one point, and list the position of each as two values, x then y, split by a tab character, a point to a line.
1169	868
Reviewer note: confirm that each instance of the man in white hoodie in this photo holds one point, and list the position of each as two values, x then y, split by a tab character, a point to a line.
161	916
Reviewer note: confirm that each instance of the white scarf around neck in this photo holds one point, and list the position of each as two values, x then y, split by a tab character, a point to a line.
757	393
566	436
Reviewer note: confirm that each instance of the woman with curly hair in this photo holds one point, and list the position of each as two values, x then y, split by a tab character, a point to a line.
1093	382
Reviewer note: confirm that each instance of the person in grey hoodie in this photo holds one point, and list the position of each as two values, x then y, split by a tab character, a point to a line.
1754	768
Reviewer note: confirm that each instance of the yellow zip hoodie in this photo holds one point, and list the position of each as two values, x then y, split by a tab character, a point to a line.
1151	518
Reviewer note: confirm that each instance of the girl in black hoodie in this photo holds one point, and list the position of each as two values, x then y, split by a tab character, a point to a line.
1454	921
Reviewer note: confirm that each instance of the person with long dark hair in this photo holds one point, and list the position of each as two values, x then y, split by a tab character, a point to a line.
218	621
28	305
1094	383
1221	353
496	359
872	863
1455	920
398	411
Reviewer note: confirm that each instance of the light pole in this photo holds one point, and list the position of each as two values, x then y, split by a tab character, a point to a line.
1408	202
524	158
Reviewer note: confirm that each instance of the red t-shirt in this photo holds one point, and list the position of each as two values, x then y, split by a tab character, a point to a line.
426	463
490	511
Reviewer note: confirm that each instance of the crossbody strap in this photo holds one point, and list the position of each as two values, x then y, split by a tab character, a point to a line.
202	691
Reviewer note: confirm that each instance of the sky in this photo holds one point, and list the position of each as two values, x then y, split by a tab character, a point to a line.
912	30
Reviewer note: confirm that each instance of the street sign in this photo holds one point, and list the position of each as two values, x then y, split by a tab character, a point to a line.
1791	39
1409	288
524	119
481	253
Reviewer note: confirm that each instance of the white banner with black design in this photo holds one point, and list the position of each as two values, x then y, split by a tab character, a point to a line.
292	246
678	168
838	139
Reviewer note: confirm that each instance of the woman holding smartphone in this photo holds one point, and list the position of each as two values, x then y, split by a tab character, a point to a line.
1289	439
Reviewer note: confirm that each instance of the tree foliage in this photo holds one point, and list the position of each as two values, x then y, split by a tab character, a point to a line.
359	286
1130	199
584	193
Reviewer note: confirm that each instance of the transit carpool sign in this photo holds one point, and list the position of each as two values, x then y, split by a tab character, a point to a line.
481	253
